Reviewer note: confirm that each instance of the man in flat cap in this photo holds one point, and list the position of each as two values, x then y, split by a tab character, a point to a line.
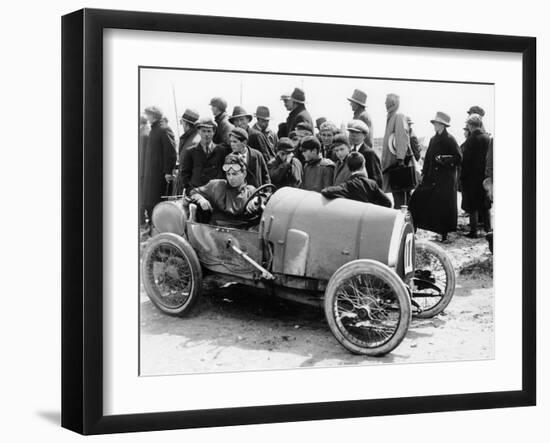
262	126
358	132
256	140
218	105
358	103
396	148
159	159
224	199
190	137
285	169
474	162
203	162
358	186
318	171
257	172
295	104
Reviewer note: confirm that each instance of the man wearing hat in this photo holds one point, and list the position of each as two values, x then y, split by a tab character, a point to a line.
358	132
225	198
358	102
303	129
262	126
474	162
358	186
202	162
257	173
433	203
159	159
218	105
256	140
415	145
396	148
295	104
190	137
285	169
318	171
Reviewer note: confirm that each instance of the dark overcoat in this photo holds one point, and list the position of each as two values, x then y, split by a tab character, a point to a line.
358	187
188	139
221	136
285	173
433	204
258	141
160	159
472	174
198	167
372	163
297	115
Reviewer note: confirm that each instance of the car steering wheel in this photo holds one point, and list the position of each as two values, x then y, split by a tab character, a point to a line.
258	193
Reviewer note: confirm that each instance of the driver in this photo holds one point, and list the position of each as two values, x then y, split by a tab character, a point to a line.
225	198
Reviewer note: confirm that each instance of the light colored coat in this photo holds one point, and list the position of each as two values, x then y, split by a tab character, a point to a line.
396	124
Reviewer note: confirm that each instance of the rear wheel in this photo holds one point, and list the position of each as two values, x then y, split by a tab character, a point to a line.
434	280
367	307
171	274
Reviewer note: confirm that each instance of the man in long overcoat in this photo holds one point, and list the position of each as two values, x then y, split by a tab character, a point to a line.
358	102
295	104
394	154
433	203
474	197
160	159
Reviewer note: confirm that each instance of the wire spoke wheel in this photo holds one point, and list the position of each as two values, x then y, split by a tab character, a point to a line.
367	307
171	273
434	280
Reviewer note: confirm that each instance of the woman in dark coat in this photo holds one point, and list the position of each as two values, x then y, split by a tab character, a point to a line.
160	158
433	204
474	197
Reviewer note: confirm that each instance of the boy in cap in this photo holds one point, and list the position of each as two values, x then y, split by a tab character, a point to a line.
295	104
256	166
358	131
285	169
318	171
202	162
358	187
218	105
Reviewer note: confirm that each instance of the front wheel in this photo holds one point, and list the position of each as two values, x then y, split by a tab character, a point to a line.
367	307
171	274
434	280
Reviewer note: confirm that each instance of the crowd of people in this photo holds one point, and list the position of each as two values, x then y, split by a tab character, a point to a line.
221	159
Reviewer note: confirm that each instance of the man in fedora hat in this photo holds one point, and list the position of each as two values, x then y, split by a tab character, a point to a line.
285	169
257	173
256	140
218	105
474	162
262	126
433	203
295	104
202	162
190	137
159	159
358	132
358	103
396	149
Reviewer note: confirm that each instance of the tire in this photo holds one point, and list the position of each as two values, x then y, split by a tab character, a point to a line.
434	280
380	288
171	274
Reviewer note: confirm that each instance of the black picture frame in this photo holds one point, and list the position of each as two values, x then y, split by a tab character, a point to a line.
82	230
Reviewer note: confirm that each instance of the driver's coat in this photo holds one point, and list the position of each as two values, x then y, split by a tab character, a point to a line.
225	200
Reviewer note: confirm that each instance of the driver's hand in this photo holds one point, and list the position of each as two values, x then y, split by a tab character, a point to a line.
205	205
253	206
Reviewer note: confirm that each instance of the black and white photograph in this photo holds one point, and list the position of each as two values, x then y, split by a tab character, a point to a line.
290	220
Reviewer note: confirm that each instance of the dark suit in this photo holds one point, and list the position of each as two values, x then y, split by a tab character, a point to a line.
297	115
358	187
198	168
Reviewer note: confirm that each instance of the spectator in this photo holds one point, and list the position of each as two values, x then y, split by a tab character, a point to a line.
341	152
358	186
257	173
358	102
219	106
203	162
413	139
318	171
358	131
159	160
190	137
256	140
433	203
474	198
285	169
327	132
262	126
295	104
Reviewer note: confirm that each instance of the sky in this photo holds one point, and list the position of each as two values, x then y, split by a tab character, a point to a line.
325	96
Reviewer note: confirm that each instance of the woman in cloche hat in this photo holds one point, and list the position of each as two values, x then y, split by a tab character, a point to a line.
433	203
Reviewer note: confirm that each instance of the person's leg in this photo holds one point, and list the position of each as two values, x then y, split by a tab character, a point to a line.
487	220
473	224
398	199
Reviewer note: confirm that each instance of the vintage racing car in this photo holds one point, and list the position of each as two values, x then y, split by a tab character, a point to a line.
358	260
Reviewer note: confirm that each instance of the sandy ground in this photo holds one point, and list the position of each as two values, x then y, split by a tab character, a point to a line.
237	328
